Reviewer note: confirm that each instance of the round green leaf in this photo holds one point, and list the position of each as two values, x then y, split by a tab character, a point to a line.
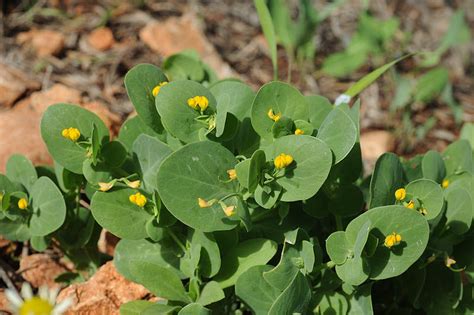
338	247
49	208
294	299
177	116
194	309
458	158
255	291
19	169
232	97
160	309
114	211
164	253
161	281
283	99
198	170
411	225
139	82
211	293
467	133
388	176
319	108
339	132
245	255
249	171
267	196
39	243
354	271
184	66
61	116
132	128
210	261
150	152
429	193
459	211
310	168
14	230
432	166
331	302
135	307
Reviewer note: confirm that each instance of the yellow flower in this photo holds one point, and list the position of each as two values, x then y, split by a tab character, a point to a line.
445	183
299	132
283	160
198	103
138	199
392	240
71	133
157	88
410	205
22	203
203	203
232	174
423	211
400	194
229	211
135	184
273	116
105	186
448	261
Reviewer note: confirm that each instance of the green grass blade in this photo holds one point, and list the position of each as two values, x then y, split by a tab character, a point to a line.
367	80
269	32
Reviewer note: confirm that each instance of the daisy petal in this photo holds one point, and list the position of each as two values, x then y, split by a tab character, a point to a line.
14	298
44	293
62	307
53	294
26	291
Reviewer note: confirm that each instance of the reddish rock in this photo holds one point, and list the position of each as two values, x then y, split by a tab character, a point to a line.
20	133
13	84
179	33
44	42
101	39
110	119
20	127
103	293
58	93
40	269
4	303
373	144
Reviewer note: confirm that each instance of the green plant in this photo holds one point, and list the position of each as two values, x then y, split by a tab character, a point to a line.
372	39
297	36
231	201
421	87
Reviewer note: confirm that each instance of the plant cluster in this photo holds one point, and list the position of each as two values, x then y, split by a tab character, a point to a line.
231	201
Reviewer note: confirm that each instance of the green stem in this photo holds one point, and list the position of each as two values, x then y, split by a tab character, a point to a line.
261	216
230	195
78	201
330	264
177	240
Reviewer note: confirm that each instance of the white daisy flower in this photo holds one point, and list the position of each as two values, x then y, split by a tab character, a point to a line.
42	304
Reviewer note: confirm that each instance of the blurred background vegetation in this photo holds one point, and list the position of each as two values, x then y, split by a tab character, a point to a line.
324	46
